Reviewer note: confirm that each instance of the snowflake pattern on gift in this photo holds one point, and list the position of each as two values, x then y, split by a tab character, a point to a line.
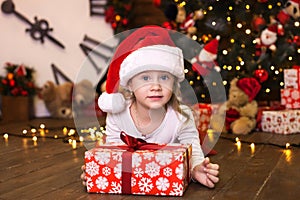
88	155
118	170
168	171
148	155
162	184
177	189
145	184
117	156
133	182
115	188
179	171
179	157
102	157
89	183
138	172
163	158
152	169
136	160
290	98
295	94
92	168
106	171
101	182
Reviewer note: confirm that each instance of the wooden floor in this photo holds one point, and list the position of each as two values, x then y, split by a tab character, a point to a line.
51	169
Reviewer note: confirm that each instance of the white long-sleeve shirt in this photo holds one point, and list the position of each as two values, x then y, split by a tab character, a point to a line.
173	129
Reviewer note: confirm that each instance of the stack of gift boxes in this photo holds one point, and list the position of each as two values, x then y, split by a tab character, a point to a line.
285	121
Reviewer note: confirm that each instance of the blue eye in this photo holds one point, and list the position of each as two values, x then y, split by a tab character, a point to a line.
146	78
164	77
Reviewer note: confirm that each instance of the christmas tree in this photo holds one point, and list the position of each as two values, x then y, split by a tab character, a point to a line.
243	28
254	38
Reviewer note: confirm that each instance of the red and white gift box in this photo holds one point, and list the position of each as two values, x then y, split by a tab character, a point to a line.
291	78
281	121
161	170
290	98
202	116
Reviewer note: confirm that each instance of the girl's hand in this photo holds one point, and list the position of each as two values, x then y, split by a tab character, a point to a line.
206	173
82	176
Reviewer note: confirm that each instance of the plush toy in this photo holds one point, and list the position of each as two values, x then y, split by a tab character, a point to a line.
180	20
84	96
205	61
57	99
239	112
267	39
291	9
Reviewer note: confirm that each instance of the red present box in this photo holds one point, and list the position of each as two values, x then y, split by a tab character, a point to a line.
162	171
281	122
290	98
202	116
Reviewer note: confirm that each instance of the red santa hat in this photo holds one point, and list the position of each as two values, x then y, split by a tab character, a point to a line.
147	48
212	46
276	29
250	86
295	1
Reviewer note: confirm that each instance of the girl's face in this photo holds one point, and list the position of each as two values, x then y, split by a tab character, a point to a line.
152	89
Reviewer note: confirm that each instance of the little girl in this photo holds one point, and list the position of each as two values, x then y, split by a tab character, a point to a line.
149	68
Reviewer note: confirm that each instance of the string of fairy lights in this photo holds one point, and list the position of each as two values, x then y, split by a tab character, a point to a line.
66	134
97	135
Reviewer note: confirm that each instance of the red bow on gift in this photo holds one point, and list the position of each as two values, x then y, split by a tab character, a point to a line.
134	144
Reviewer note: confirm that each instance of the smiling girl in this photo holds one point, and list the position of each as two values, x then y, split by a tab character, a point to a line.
149	67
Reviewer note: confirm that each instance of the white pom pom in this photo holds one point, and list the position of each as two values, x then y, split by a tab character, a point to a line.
111	103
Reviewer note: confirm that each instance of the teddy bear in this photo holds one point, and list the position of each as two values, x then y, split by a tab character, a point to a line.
182	20
291	9
57	99
238	114
83	98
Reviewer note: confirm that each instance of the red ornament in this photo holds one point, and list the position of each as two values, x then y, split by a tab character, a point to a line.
24	93
125	21
109	14
128	7
157	3
114	25
12	83
258	22
261	75
297	40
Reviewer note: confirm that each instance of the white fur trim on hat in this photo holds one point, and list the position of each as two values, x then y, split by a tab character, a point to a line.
155	57
112	103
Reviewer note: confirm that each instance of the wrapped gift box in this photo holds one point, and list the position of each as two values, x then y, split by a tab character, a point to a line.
290	98
291	78
202	116
281	122
112	169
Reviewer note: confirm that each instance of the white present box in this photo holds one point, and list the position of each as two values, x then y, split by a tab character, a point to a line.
291	78
281	121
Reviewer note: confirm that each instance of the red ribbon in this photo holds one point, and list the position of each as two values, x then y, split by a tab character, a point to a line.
133	144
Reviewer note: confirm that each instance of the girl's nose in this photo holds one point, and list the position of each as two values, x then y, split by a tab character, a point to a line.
155	86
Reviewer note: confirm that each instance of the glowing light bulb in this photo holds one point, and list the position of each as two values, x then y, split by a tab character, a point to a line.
5	136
